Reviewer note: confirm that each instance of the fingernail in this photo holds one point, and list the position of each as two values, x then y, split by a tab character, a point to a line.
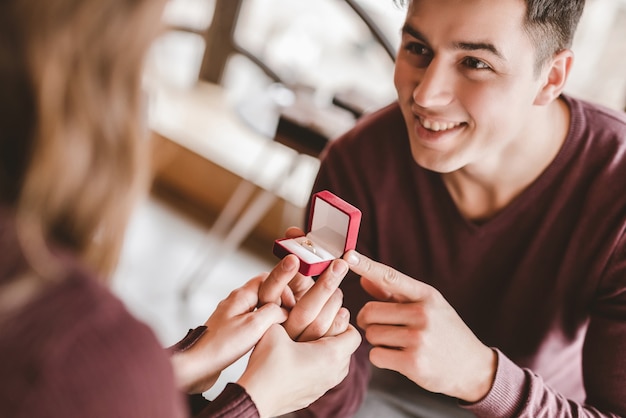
289	264
339	268
352	258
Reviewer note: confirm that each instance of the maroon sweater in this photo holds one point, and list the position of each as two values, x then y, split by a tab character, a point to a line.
543	281
75	351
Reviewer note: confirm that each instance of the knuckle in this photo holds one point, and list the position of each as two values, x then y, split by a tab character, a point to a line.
234	300
316	329
417	311
239	293
428	291
335	300
391	276
297	317
254	323
339	325
234	294
415	337
366	265
223	304
301	284
327	285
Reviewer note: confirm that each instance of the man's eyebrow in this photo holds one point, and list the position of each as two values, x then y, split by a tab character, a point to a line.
465	46
477	46
414	33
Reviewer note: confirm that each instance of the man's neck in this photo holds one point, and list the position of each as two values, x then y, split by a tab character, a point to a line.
482	192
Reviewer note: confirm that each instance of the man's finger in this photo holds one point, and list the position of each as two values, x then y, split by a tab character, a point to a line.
389	313
294	232
388	282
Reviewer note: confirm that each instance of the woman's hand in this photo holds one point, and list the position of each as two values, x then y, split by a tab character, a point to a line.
284	375
315	307
296	363
232	330
415	331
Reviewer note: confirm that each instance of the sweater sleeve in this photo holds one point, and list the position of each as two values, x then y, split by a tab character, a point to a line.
520	393
234	401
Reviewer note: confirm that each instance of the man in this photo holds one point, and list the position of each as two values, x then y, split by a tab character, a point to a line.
494	205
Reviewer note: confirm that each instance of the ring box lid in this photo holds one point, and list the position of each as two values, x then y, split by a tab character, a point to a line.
333	230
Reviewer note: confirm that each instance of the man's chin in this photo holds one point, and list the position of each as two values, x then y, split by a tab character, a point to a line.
436	162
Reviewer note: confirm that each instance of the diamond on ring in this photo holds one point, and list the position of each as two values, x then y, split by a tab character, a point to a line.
308	244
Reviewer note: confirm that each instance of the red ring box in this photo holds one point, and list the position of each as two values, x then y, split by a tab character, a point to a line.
333	230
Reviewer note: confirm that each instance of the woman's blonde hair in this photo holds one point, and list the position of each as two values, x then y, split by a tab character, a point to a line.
73	149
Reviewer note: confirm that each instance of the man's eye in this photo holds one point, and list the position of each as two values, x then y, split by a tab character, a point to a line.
476	64
417	54
418	49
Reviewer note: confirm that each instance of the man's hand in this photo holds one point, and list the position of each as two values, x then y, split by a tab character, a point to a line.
415	331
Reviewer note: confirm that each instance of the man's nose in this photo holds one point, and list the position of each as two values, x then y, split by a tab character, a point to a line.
435	88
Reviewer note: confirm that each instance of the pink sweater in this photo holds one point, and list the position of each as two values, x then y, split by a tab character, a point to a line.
543	281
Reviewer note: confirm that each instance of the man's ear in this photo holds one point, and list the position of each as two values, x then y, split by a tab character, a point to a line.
558	71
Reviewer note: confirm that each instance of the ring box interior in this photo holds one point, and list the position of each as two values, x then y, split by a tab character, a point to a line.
333	230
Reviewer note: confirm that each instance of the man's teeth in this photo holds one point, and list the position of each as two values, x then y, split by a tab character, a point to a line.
438	126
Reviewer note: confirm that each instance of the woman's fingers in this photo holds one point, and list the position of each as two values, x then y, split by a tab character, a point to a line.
331	320
273	287
312	304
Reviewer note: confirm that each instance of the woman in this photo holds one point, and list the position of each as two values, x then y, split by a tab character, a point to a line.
72	163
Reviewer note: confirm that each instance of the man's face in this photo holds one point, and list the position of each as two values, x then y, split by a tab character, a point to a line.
466	82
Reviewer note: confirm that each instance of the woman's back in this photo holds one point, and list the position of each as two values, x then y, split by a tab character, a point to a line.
73	350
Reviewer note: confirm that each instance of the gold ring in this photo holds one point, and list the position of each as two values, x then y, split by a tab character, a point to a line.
308	244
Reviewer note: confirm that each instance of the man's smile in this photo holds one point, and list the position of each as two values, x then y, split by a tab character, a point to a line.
437	126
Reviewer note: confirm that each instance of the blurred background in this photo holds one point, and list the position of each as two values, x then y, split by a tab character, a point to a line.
243	96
